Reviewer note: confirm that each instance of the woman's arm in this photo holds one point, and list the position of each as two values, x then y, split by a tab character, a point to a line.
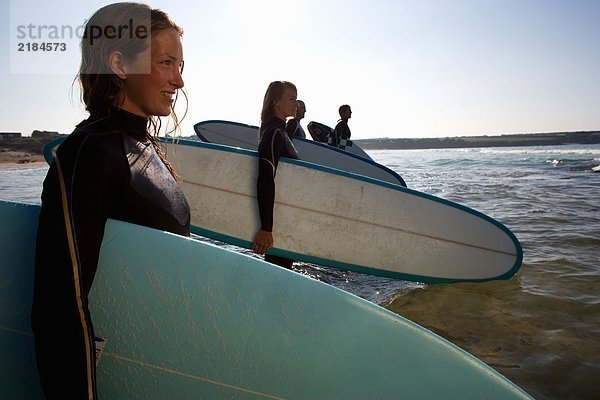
270	151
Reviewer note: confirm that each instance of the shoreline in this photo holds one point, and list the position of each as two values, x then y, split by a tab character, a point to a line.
11	158
21	164
512	140
29	151
23	151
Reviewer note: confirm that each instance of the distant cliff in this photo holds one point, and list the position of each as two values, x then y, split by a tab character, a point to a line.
523	139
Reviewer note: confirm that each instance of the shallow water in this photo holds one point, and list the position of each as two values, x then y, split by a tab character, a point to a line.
541	328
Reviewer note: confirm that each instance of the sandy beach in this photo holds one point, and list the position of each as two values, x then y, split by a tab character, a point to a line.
11	158
22	151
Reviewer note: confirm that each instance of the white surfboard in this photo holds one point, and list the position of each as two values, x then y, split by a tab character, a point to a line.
246	137
184	319
343	220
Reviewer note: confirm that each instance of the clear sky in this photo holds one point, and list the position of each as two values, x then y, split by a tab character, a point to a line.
408	68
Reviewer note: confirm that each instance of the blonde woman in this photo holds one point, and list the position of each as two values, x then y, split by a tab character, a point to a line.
280	103
109	167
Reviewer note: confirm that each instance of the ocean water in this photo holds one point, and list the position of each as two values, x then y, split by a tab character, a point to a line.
541	328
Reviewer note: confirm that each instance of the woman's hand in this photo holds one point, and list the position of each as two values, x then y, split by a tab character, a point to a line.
263	241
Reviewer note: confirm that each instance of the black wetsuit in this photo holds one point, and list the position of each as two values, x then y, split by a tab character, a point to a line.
342	131
110	169
294	129
274	144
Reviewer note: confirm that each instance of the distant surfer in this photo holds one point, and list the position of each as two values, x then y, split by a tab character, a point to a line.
279	103
300	112
109	167
342	131
292	126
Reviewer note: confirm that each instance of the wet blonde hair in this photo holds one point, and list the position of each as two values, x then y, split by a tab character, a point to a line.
274	93
100	87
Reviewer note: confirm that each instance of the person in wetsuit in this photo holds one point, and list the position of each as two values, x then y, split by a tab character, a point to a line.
300	112
342	130
279	103
109	167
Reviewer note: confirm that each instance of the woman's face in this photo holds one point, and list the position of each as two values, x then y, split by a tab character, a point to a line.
287	105
154	76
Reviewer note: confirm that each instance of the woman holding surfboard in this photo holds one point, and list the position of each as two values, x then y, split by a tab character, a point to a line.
280	102
109	167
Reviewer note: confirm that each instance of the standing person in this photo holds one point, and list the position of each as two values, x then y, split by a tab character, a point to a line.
279	104
292	126
300	112
109	167
342	131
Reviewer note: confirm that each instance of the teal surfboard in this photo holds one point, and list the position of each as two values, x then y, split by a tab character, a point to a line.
188	320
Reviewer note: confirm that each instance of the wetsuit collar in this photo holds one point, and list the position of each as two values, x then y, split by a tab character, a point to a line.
134	125
279	123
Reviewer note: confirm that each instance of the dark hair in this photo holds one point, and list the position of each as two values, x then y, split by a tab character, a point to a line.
274	93
343	108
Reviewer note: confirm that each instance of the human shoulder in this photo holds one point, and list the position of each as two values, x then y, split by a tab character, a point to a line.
97	140
274	127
